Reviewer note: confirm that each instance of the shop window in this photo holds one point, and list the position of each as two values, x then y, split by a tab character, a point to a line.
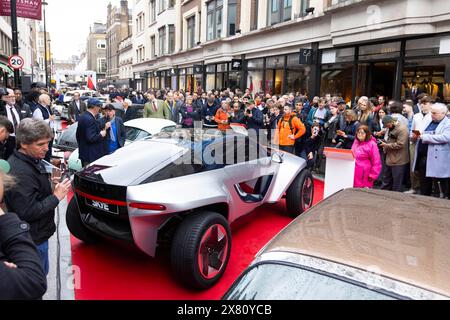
182	82
336	79
174	83
338	55
255	64
275	62
380	51
297	75
427	46
255	80
269	85
279	11
214	19
234	80
431	76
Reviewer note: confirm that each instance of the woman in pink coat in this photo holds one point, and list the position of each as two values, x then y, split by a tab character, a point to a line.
367	158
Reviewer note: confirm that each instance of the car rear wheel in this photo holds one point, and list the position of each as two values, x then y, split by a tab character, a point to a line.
201	249
300	194
76	226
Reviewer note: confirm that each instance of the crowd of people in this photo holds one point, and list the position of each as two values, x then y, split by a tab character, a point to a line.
397	145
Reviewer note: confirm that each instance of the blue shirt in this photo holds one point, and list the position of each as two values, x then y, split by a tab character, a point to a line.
113	143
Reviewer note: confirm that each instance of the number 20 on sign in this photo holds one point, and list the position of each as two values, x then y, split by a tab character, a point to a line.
16	62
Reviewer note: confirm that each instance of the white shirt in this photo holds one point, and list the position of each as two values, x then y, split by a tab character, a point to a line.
419	121
37	114
12	112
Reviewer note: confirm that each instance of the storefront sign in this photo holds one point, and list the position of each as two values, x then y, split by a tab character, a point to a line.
306	56
198	69
30	9
447	74
236	64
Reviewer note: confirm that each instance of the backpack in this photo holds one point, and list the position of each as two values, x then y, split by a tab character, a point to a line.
289	121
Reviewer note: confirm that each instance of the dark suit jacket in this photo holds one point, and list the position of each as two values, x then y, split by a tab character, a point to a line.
121	133
73	111
90	141
130	114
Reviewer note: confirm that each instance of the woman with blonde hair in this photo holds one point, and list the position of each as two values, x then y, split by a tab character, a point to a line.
365	116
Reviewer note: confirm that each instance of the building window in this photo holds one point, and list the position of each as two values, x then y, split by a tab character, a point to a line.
171	38
165	4
304	4
153	48
101	44
152	10
191	32
232	15
140	22
280	11
254	15
214	19
101	65
162	41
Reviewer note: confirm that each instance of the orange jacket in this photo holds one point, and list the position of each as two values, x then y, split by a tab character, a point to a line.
284	131
219	117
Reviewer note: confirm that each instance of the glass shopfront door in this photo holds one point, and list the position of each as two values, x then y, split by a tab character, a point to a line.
376	79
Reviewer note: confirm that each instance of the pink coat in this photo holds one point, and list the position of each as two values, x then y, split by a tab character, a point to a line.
367	163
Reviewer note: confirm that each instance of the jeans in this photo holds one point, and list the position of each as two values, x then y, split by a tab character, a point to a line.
43	251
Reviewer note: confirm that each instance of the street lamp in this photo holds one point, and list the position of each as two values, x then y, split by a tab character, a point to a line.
44	4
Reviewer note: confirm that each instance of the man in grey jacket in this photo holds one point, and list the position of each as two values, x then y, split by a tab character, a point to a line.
433	152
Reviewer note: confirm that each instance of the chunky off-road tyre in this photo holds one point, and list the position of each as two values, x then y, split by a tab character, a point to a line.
300	194
201	249
76	226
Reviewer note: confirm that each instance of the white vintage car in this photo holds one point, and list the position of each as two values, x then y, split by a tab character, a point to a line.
136	129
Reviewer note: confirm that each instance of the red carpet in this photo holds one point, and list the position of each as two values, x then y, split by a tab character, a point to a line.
108	271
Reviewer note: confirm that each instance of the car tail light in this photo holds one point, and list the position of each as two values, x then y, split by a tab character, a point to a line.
147	206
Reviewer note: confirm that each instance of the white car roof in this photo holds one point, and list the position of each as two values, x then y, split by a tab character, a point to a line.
150	125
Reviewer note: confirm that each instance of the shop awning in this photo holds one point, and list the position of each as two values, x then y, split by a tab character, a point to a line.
6	69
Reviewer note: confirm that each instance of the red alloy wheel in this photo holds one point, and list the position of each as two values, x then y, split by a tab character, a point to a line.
212	251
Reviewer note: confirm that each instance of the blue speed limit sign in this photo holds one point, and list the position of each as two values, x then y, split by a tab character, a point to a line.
16	62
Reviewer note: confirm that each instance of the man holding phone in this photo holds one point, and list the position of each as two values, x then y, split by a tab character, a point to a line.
32	198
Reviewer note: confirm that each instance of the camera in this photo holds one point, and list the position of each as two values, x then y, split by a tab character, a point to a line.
380	141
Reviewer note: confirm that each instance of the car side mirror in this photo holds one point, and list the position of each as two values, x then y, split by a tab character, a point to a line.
277	157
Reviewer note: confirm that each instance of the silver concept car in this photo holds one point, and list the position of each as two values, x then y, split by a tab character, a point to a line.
185	190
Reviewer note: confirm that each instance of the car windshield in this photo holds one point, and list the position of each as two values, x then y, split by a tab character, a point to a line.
134	134
274	281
